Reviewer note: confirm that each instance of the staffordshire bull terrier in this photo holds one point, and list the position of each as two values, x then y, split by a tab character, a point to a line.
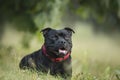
54	56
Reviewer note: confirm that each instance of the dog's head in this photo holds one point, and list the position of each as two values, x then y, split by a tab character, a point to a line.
58	42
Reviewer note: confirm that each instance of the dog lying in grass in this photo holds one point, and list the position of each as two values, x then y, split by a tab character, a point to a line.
55	54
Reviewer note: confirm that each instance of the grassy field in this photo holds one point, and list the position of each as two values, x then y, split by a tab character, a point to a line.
94	57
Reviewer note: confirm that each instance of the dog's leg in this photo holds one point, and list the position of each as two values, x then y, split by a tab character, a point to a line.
68	69
27	63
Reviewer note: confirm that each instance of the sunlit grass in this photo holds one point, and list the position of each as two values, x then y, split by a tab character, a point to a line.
94	57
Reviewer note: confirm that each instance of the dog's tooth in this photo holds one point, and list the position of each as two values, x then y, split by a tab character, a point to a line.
65	52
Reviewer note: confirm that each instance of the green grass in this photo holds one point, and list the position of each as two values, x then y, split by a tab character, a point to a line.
93	58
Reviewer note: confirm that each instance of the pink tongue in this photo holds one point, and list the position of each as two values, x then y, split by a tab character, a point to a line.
62	51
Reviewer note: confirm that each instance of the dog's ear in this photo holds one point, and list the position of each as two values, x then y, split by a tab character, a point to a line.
44	31
69	29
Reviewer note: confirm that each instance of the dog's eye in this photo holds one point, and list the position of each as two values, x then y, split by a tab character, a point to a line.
66	37
54	37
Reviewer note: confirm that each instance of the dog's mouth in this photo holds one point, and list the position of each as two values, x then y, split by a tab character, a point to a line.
62	51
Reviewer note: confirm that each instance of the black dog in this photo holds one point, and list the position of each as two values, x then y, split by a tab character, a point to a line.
54	55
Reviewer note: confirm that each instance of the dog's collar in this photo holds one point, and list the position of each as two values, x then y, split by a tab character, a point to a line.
55	59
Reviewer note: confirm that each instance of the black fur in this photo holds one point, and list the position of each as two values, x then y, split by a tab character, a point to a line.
54	40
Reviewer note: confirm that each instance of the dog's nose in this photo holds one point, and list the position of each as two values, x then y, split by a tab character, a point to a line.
61	42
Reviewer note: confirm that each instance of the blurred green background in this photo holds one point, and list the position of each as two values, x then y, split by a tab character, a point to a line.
96	42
